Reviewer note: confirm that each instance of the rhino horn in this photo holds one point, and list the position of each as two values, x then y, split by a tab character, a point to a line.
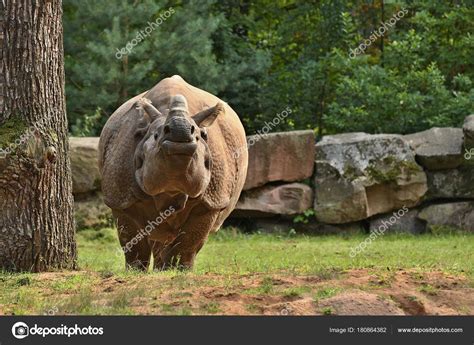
178	105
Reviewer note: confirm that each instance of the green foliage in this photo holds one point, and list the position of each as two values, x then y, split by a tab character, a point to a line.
425	79
87	125
412	101
305	217
99	76
264	56
194	41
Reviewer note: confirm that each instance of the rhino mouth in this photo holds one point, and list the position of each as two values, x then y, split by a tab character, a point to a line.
179	148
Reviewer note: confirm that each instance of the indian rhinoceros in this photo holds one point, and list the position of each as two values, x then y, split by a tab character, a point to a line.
170	172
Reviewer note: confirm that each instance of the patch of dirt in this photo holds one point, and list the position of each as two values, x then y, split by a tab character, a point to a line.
359	303
302	306
354	292
420	293
410	304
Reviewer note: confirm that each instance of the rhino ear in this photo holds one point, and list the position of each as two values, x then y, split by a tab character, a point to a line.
206	117
147	110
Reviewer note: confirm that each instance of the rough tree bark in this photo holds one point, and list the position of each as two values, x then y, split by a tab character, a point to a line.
36	214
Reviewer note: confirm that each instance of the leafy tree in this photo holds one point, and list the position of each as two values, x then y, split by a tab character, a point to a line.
263	56
307	61
417	87
100	76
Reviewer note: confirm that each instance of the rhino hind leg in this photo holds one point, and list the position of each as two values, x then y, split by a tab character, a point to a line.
137	256
194	232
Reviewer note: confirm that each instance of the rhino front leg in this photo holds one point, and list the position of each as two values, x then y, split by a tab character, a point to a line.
157	251
137	250
194	232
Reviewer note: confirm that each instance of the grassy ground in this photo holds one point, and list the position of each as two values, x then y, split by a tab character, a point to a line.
261	274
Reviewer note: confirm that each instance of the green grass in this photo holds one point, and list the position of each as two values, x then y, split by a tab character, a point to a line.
230	252
326	293
103	286
295	292
429	289
326	311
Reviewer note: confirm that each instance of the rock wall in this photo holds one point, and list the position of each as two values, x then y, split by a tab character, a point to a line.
359	175
89	208
344	183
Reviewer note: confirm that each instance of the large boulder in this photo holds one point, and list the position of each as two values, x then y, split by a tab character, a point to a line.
468	130
458	215
438	148
286	199
359	175
84	164
400	221
454	183
285	156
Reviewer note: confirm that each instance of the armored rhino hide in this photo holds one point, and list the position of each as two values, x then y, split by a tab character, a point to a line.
129	132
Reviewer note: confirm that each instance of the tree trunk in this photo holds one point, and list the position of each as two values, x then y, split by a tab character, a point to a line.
36	205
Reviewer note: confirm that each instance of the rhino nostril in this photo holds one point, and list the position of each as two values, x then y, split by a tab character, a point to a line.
192	129
156	136
166	129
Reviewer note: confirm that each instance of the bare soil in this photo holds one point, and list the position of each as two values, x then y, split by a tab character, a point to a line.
355	292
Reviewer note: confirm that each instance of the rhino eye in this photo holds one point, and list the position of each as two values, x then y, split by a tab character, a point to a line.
156	136
204	135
